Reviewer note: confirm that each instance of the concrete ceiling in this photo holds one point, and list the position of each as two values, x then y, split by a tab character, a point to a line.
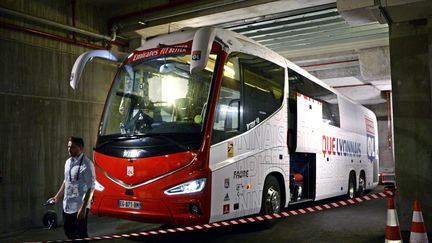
353	59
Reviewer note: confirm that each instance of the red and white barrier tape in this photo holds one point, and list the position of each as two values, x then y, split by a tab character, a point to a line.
245	220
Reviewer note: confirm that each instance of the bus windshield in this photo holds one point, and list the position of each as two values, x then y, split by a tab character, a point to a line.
157	97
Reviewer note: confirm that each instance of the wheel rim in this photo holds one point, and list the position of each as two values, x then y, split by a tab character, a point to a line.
351	191
273	201
362	185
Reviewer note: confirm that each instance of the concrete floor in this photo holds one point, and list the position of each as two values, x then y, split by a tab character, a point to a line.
363	222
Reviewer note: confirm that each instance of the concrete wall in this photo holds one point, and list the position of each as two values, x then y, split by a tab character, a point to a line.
411	67
39	110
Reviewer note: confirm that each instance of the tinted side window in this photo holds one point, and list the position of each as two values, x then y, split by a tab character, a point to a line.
263	85
303	85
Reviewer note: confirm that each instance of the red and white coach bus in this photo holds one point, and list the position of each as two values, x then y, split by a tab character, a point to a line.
206	125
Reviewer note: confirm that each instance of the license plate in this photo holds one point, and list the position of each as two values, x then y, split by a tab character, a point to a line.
129	204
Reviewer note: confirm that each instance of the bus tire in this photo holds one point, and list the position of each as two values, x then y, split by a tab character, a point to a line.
362	184
271	200
351	186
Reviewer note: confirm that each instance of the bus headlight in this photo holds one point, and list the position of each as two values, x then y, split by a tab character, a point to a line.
187	187
98	186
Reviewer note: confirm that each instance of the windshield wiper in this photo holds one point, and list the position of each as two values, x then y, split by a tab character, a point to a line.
115	139
166	138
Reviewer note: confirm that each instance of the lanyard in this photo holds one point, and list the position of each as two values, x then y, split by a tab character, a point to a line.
79	168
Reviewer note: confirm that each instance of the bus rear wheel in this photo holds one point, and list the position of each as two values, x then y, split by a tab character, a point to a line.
351	186
362	185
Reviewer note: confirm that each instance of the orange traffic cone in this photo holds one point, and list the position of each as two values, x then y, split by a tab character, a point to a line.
393	233
418	228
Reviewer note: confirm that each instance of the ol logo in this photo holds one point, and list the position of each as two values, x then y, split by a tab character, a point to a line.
370	135
371	147
129	170
196	55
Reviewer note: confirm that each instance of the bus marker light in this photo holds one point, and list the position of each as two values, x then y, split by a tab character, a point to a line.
194	208
98	186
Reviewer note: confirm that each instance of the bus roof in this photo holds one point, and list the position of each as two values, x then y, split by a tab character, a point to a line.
233	41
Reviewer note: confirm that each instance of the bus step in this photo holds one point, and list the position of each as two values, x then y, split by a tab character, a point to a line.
303	200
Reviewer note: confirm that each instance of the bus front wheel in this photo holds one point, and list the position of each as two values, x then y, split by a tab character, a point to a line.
271	201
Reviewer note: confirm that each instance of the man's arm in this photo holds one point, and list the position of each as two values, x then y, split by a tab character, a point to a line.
59	193
82	209
90	180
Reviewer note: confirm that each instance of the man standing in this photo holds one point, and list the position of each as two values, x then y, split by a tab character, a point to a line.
77	188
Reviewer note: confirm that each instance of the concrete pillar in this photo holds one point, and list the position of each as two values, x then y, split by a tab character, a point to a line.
411	71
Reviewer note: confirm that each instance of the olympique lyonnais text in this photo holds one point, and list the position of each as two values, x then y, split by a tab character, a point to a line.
340	147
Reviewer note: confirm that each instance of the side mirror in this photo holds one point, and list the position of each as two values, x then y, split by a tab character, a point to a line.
84	58
201	47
